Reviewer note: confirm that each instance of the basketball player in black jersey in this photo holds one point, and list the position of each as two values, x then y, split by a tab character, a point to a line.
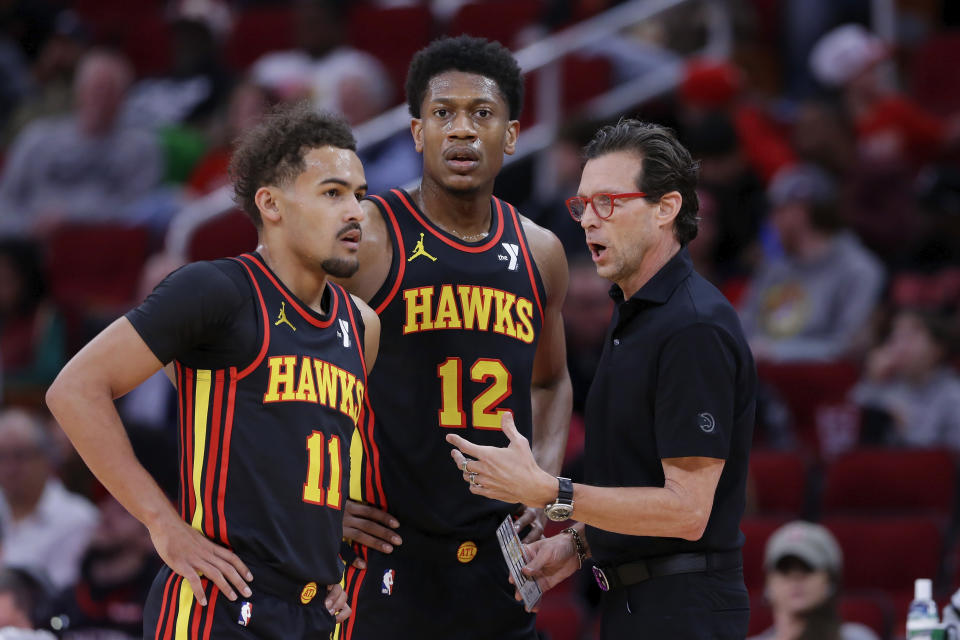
469	295
270	359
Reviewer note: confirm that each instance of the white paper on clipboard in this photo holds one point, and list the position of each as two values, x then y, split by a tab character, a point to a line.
513	555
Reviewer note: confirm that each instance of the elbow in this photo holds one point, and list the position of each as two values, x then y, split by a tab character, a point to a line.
55	396
695	524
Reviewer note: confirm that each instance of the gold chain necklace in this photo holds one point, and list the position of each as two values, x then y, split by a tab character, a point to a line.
469	238
463	236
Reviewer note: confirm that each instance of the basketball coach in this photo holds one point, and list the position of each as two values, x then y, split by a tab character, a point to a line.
669	417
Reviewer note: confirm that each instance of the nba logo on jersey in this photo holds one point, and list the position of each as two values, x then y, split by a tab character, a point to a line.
386	588
246	612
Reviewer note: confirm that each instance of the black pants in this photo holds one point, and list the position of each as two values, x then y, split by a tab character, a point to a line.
171	612
690	606
422	590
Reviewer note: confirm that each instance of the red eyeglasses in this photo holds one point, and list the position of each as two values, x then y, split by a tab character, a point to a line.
603	204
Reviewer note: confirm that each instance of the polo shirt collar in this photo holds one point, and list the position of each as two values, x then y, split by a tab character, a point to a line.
663	283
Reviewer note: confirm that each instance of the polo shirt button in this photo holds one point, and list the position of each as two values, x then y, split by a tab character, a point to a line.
616	342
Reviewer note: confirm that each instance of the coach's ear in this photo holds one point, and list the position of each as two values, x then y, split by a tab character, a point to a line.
267	200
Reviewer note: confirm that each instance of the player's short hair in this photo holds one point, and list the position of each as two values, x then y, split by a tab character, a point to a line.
666	166
470	55
272	153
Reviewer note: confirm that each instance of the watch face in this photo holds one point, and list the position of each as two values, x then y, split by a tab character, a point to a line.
558	512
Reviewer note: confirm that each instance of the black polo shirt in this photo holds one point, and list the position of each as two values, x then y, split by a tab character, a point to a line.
676	379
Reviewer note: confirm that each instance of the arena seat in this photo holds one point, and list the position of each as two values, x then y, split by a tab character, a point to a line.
873	609
934	74
807	388
229	234
891	481
147	42
583	77
259	30
96	265
779	482
761	617
757	530
392	35
888	552
498	20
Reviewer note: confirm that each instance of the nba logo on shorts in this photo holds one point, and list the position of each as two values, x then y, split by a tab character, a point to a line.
386	587
246	612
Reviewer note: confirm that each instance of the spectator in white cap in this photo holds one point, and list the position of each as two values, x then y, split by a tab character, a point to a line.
891	127
811	302
804	565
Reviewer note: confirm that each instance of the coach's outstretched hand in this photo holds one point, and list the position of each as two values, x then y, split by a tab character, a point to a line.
507	473
550	561
371	527
190	554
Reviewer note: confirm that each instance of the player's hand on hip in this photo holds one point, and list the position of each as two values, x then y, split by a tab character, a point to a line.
536	519
371	527
504	473
190	554
550	561
336	602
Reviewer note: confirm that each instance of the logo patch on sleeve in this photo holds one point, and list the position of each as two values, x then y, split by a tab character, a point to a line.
706	422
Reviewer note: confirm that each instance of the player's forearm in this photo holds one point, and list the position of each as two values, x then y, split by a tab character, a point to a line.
552	405
88	416
640	511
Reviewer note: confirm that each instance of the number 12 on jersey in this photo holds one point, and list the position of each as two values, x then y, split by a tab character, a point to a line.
485	414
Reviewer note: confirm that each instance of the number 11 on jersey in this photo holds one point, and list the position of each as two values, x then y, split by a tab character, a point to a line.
485	414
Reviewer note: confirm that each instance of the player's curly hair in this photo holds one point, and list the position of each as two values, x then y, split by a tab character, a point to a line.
272	152
471	55
666	166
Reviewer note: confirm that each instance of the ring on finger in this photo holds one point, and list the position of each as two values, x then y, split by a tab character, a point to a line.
473	478
463	467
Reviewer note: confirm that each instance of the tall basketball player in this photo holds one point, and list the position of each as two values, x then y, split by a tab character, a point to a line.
469	293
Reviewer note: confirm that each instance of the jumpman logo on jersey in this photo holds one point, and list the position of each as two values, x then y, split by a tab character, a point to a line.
282	318
418	251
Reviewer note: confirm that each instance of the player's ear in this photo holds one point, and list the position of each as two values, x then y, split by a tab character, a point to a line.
510	137
416	129
267	199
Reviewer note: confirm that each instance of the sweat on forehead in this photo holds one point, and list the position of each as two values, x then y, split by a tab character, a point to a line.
454	85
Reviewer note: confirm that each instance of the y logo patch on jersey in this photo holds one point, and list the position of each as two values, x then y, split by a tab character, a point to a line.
282	318
513	255
246	613
344	333
418	251
386	586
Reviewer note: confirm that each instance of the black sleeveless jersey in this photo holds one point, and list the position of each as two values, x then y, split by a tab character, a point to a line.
459	330
265	444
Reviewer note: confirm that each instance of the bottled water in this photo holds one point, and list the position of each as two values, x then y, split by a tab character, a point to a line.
923	623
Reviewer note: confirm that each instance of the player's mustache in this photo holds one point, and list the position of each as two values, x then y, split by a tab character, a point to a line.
347	228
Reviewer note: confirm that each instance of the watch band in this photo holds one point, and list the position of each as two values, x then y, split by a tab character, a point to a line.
565	493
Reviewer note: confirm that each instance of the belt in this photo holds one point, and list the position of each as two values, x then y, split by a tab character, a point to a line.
279	585
624	575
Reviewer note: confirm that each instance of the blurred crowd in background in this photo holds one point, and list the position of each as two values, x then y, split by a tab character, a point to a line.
830	216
